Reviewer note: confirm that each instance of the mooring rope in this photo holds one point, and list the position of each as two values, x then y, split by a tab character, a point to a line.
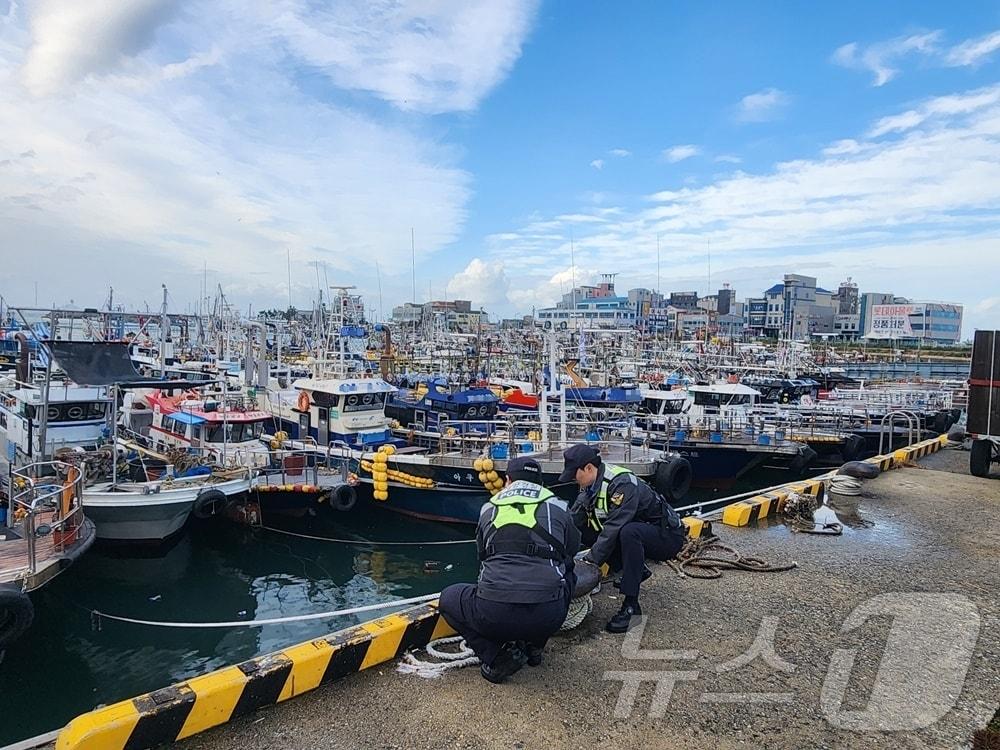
709	557
98	616
365	541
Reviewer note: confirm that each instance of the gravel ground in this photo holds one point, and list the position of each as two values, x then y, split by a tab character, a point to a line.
930	529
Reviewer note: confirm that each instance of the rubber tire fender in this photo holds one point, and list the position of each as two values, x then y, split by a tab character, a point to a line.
17	615
672	478
980	457
859	470
343	498
853	445
942	422
209	503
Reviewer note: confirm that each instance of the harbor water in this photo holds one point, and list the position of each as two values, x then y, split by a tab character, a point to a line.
71	660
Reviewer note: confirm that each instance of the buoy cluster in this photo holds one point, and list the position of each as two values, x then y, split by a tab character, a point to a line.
487	475
381	474
278	440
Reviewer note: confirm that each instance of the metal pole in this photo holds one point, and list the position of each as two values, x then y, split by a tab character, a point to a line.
114	434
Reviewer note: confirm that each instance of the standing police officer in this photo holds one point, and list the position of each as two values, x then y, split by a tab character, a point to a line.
630	520
526	540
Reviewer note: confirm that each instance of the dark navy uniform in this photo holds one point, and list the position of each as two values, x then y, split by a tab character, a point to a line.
632	523
526	541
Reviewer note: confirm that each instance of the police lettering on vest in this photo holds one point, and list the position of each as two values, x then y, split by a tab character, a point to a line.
515	529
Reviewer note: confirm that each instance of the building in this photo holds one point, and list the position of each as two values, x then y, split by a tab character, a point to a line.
847	320
923	323
683	300
590	307
454	316
755	316
726	300
408	314
644	301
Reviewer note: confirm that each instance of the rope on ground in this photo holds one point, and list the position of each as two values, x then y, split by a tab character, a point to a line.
365	542
841	484
98	616
707	557
463	657
800	512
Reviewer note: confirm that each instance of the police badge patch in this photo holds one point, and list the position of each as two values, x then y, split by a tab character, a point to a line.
617	498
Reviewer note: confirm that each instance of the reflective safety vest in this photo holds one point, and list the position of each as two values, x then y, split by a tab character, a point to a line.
514	529
600	513
670	519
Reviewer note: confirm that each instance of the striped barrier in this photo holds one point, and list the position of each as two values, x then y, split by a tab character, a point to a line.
747	511
761	506
696	527
190	707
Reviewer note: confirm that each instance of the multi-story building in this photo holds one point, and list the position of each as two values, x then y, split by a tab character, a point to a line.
590	307
683	300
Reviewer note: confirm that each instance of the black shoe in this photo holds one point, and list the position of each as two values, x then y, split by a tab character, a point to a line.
621	621
534	654
510	660
646	573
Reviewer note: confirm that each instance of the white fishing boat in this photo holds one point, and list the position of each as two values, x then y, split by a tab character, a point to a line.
154	511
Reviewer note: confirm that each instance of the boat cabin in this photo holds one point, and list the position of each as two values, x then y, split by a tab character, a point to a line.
217	428
75	416
347	410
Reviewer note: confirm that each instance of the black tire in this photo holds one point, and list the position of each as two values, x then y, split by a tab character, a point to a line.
673	478
16	615
343	498
980	456
853	445
803	460
209	503
859	470
956	414
942	422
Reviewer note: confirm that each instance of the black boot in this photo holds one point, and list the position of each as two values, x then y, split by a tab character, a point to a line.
534	654
621	621
509	662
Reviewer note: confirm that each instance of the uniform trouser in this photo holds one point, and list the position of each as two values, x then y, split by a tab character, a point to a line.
487	625
637	542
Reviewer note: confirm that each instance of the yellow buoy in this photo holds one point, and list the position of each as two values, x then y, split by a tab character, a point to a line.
478	466
487	464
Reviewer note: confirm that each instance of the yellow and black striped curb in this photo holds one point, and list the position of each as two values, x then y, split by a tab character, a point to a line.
747	511
697	527
200	703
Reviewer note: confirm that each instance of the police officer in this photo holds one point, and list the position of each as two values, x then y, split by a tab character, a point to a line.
526	541
630	520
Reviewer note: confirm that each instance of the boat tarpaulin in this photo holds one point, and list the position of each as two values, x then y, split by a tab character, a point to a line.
96	363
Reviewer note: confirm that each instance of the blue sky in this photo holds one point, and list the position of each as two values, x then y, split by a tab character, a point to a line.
148	139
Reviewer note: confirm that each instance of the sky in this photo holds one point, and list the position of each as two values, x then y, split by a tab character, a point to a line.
276	147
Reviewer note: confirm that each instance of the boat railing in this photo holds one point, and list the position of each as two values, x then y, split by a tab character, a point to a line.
47	510
512	437
304	466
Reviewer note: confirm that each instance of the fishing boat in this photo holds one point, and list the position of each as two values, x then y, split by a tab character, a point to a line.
43	531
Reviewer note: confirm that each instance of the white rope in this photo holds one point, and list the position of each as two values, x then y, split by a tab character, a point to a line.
842	484
365	541
273	620
579	608
464	657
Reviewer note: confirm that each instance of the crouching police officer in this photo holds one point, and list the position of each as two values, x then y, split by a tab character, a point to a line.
526	540
631	521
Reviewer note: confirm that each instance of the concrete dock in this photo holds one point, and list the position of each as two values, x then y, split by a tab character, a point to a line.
918	565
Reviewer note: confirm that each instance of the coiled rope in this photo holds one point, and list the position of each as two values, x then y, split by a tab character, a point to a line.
707	557
841	484
463	657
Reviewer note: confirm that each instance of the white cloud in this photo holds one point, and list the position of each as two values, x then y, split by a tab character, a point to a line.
762	106
973	51
188	137
909	211
620	152
728	159
840	148
485	283
941	106
73	40
426	55
597	164
675	154
880	58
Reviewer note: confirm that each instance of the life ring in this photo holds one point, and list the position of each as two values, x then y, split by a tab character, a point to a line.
343	498
303	404
209	503
673	478
16	615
